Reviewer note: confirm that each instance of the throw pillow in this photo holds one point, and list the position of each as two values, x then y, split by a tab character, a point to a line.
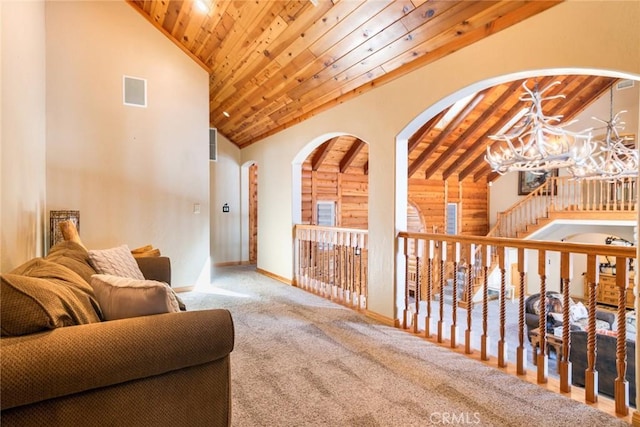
41	295
577	312
122	297
116	261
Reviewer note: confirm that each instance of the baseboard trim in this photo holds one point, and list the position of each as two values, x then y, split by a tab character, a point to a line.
231	263
184	289
382	319
274	276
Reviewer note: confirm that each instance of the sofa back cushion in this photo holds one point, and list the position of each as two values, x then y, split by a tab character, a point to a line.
41	295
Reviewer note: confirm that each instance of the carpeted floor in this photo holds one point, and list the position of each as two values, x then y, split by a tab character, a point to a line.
301	360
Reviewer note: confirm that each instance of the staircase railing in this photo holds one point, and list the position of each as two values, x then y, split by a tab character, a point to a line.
565	194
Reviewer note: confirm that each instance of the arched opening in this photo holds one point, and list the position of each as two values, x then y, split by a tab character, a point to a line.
332	195
445	147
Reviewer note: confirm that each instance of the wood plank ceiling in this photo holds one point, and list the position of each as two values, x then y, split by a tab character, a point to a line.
273	64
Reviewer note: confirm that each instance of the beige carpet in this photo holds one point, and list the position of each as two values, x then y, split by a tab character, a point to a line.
300	360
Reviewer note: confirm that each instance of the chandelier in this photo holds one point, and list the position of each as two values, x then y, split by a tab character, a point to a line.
539	143
612	159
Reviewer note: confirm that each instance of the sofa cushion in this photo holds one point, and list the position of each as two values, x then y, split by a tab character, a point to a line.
116	261
41	295
122	297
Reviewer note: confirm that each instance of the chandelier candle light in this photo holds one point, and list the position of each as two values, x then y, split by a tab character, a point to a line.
539	144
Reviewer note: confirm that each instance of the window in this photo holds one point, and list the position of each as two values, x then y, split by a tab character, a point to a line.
326	214
452	218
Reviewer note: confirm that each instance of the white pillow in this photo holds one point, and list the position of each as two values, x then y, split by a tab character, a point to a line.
122	297
577	312
116	261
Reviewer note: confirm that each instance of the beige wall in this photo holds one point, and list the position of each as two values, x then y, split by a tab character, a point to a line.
22	124
226	245
134	173
595	35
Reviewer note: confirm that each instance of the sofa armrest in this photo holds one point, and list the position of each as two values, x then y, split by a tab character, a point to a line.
156	268
607	316
74	359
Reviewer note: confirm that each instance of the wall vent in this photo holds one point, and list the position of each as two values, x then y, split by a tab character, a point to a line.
213	144
624	84
134	91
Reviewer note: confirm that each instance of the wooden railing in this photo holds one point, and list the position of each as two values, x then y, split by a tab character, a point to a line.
332	262
431	249
565	194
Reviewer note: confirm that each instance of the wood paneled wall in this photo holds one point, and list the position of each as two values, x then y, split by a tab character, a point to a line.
431	197
350	191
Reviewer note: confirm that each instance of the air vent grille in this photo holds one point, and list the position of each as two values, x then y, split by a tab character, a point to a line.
213	144
134	91
624	84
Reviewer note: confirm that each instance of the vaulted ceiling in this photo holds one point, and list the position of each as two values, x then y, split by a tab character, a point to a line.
273	64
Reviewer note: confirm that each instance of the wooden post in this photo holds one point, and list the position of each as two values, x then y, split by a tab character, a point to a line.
416	249
454	303
405	316
564	364
521	356
484	339
427	320
502	344
542	359
467	332
591	375
621	386
443	258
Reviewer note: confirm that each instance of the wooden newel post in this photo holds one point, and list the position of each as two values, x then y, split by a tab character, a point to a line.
521	357
502	344
542	360
564	363
591	375
621	385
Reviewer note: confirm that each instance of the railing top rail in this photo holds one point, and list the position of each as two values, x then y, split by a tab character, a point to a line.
326	228
579	248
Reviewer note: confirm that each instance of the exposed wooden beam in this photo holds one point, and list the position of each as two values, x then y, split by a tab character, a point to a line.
475	146
348	158
438	140
322	153
366	168
481	141
424	130
488	113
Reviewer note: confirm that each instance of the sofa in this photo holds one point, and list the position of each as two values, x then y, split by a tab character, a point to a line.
63	363
604	319
605	362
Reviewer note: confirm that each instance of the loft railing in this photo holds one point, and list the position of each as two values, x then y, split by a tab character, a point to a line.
565	194
332	262
440	320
